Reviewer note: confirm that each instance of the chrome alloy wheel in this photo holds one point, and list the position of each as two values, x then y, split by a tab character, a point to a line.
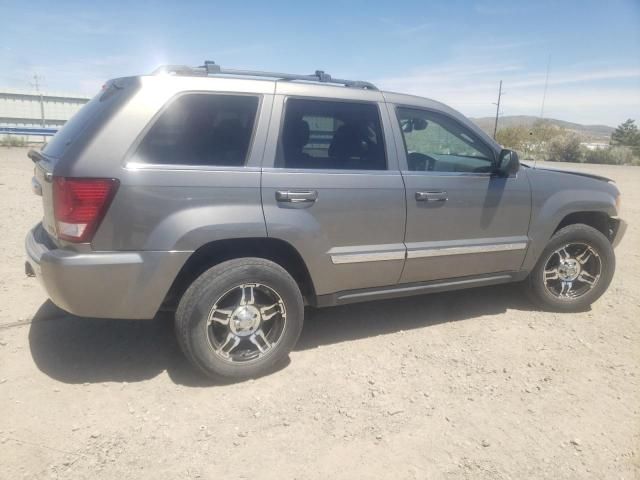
246	323
572	271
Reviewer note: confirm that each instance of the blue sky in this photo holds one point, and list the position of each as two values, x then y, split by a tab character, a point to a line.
452	51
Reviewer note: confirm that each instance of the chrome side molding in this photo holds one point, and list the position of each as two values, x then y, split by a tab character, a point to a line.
443	251
367	257
359	257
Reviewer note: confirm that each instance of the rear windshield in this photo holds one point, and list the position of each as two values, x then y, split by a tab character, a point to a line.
88	115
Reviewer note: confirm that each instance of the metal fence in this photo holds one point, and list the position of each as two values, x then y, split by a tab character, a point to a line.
25	114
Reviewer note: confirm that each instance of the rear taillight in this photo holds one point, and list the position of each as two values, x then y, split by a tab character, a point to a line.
79	204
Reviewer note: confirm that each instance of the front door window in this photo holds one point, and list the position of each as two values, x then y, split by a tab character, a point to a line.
435	142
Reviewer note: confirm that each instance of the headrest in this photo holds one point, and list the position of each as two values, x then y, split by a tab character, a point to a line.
296	134
347	142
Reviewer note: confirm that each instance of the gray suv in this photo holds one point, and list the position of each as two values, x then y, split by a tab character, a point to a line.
235	198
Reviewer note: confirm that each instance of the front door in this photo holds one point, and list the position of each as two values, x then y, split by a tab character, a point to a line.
462	220
332	189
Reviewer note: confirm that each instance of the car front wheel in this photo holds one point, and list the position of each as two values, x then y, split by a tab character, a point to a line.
574	270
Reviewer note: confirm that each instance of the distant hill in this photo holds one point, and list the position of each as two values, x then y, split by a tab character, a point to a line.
589	132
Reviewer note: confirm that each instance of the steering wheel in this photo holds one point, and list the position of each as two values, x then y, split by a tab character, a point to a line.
420	162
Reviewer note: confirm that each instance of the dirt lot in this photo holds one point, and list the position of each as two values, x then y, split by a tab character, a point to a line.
472	384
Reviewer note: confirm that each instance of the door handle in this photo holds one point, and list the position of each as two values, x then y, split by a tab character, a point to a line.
291	196
431	196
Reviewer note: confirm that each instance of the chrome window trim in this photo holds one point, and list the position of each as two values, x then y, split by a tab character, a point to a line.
331	171
188	167
431	173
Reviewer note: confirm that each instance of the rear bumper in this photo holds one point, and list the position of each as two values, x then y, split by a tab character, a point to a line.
619	229
128	285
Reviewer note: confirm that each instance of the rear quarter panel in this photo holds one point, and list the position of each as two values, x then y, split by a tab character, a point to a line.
182	210
174	207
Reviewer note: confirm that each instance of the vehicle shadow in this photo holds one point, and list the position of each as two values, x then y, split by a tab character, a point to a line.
75	350
351	322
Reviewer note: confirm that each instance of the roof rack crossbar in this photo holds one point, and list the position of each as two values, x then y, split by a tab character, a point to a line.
212	68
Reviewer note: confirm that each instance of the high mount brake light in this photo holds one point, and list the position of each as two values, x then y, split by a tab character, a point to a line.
79	205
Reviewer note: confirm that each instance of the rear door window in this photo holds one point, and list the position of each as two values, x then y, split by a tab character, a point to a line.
201	129
319	134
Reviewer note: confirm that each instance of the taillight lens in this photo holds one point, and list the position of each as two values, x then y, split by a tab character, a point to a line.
79	204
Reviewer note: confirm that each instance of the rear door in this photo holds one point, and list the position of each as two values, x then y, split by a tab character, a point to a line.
331	187
462	220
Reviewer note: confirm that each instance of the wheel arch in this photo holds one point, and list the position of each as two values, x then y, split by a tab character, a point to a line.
548	223
599	220
217	251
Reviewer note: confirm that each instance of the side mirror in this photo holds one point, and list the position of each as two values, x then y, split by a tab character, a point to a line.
407	125
419	123
410	124
508	163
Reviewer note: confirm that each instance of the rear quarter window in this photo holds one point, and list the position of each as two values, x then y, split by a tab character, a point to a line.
201	129
56	147
89	118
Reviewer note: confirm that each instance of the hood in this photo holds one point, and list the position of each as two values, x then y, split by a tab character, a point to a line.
570	172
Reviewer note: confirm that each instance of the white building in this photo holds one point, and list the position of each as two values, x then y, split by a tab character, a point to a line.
30	109
595	145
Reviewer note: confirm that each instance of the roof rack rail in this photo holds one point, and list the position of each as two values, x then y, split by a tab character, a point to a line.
212	68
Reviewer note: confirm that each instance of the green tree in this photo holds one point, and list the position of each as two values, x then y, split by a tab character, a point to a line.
514	138
565	148
626	134
600	155
610	156
543	131
540	137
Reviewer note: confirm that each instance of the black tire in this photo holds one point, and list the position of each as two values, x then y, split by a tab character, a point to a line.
192	326
576	234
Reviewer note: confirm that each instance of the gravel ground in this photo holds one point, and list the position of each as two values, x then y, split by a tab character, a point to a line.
470	384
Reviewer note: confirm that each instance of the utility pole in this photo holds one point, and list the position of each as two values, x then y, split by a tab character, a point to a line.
495	127
36	84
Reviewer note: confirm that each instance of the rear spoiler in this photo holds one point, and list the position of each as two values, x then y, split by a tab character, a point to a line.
37	156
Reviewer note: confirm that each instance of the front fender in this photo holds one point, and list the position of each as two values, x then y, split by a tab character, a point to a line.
556	195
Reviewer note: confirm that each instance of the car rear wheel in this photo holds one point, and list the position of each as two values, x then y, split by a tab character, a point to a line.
240	318
574	270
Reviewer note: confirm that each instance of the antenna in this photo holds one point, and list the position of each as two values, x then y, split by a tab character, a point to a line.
546	84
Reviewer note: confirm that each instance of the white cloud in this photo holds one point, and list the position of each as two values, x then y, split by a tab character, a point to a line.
402	29
84	76
589	94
